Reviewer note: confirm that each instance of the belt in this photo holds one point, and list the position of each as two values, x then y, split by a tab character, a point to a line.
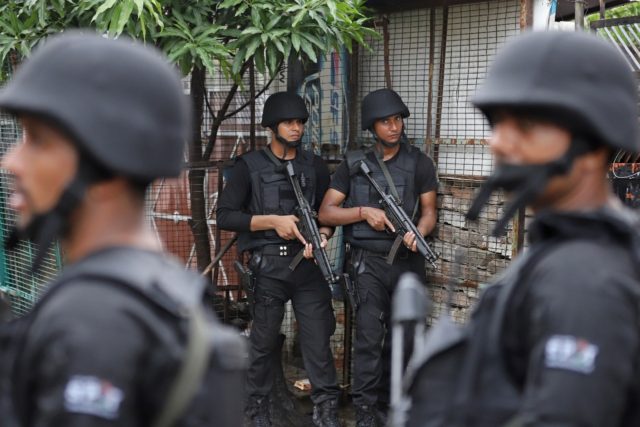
403	253
285	249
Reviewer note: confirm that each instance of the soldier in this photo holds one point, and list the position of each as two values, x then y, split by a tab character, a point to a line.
258	202
410	175
118	338
556	340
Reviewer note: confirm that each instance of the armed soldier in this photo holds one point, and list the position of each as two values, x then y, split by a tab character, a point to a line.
410	177
556	340
259	203
120	337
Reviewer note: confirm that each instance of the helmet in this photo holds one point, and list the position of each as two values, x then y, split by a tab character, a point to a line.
379	104
120	102
283	106
573	79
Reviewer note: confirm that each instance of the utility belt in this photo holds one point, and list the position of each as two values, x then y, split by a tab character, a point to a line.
403	253
281	249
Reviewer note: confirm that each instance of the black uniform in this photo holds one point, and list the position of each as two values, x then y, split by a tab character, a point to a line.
566	351
104	345
257	187
413	174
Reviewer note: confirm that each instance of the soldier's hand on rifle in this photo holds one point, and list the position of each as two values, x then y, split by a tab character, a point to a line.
308	248
410	241
377	219
287	228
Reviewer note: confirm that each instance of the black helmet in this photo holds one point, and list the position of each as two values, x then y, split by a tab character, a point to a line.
574	79
121	102
283	106
379	104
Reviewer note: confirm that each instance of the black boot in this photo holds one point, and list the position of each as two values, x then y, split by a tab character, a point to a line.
366	416
325	414
258	412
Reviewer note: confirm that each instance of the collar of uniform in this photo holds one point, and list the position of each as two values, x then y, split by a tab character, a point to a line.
612	221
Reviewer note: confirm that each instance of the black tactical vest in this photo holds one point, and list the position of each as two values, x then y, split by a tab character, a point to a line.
459	378
165	286
272	194
361	193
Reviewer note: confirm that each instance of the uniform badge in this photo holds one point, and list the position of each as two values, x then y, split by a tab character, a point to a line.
92	396
303	180
570	353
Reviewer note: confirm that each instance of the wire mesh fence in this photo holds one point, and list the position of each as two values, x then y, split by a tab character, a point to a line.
434	58
624	34
16	279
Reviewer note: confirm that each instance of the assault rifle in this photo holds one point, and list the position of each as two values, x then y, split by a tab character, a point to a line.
248	282
309	229
400	220
352	292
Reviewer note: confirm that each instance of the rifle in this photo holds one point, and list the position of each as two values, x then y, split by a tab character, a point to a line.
309	229
352	291
400	220
247	280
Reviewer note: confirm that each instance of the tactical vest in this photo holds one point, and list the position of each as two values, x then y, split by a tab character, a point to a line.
361	193
169	290
459	378
272	194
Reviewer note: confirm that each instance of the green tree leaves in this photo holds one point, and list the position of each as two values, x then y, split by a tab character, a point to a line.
276	29
219	36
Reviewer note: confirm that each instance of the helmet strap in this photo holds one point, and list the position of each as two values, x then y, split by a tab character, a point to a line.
45	228
526	182
287	144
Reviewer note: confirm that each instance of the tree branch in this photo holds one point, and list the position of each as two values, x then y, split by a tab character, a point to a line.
206	101
263	90
220	117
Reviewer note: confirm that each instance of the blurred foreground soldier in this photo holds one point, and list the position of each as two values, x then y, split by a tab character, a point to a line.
556	340
259	203
408	174
120	337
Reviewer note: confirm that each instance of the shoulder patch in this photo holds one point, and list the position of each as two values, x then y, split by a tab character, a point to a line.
92	396
570	353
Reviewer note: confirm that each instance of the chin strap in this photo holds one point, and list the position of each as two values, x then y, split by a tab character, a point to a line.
526	182
46	227
287	144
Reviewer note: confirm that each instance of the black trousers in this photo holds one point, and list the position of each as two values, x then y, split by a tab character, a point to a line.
311	299
376	280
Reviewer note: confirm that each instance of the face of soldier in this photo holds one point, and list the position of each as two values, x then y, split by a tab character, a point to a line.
389	129
291	130
43	163
520	141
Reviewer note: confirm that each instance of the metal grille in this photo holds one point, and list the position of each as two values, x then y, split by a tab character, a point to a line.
169	201
624	34
435	59
16	280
